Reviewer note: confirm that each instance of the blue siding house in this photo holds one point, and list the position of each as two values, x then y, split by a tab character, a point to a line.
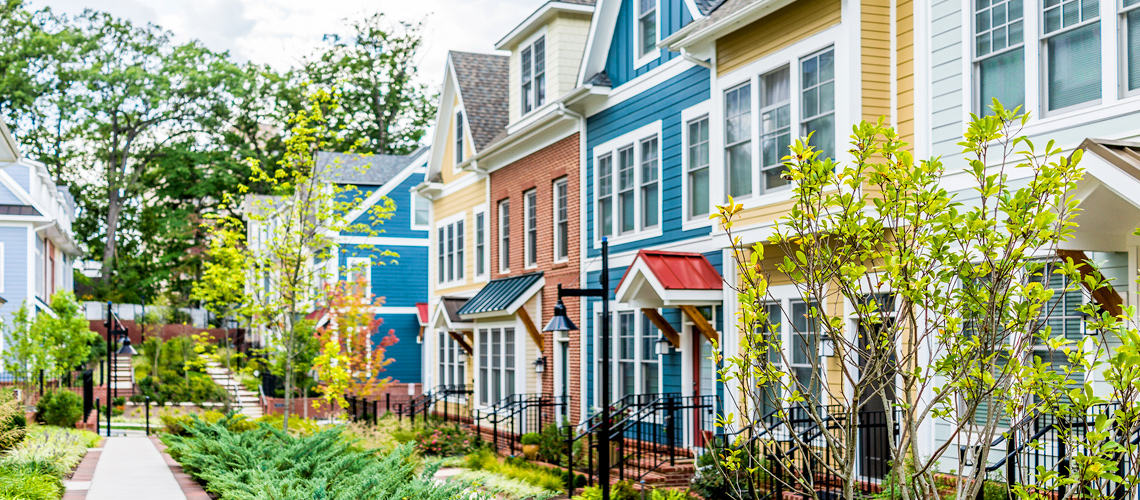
646	191
393	257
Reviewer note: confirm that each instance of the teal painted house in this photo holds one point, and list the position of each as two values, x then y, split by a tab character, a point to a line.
401	279
646	187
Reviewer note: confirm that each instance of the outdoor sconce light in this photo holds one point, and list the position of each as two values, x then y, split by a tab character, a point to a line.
826	346
540	364
663	345
462	356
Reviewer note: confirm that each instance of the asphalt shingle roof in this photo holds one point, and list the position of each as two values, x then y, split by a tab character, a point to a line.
483	86
715	10
499	294
451	306
358	169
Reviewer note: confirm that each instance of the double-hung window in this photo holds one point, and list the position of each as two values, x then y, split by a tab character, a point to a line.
480	243
606	195
650	196
421	212
805	362
451	252
627	208
646	27
533	60
452	371
497	364
1130	30
775	126
458	138
738	139
650	364
637	362
627	356
698	167
530	202
504	235
999	54
1070	44
561	221
817	97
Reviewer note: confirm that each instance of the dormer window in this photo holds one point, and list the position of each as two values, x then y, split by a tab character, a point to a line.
646	27
458	138
534	75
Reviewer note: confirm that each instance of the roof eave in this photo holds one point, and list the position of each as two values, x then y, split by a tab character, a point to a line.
543	13
691	35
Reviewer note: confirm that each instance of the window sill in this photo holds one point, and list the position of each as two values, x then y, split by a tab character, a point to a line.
649	57
560	264
630	237
698	222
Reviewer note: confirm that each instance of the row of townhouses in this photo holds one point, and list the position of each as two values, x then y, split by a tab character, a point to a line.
630	120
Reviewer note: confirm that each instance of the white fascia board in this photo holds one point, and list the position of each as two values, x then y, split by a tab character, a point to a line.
16	189
448	94
513	306
1123	185
599	39
539	16
689	36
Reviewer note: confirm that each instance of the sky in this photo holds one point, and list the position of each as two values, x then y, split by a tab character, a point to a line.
281	32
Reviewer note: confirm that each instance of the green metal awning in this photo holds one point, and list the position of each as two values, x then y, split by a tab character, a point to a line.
502	297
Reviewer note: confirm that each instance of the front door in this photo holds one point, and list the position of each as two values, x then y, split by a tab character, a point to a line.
704	377
874	434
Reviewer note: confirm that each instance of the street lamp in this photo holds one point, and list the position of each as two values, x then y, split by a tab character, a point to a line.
127	349
560	323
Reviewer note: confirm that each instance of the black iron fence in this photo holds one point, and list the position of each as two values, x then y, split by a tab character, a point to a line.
518	414
451	402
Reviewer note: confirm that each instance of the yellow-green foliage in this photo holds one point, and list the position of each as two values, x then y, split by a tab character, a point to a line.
385	435
542	477
34	470
176	423
503	487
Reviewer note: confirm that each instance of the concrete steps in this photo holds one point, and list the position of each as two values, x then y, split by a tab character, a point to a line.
245	399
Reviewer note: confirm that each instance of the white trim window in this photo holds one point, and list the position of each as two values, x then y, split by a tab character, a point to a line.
3	265
999	54
480	244
458	137
530	220
650	187
775	126
1070	53
452	371
738	140
505	235
817	93
496	364
561	220
697	175
806	367
646	29
451	261
533	61
359	269
421	212
605	212
637	365
630	204
1130	52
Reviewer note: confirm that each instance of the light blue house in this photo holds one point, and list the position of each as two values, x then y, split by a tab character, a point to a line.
37	245
402	279
646	188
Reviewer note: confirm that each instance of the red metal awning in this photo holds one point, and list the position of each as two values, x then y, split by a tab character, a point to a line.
679	270
422	312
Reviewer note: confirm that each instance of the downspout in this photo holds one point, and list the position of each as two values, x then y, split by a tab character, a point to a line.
693	59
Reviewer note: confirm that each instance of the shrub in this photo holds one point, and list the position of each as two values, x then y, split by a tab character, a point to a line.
177	424
515	468
446	441
503	487
669	495
622	490
29	481
266	463
13	424
530	438
60	408
552	445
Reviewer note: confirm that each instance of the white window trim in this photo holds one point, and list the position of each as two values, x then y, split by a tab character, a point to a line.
554	218
3	267
653	54
975	104
453	348
1121	16
504	257
520	373
444	223
689	115
1043	55
350	265
630	139
846	103
419	227
784	295
455	111
529	44
481	210
616	309
528	205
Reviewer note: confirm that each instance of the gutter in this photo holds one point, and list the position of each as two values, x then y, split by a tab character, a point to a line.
693	59
689	35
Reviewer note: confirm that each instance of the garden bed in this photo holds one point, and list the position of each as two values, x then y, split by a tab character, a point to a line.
36	467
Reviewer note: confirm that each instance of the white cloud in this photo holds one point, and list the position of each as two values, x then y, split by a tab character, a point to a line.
281	32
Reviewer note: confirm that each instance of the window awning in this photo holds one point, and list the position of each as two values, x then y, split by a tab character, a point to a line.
422	313
447	315
670	279
502	297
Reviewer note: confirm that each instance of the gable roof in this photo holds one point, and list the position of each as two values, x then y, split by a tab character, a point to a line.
482	80
1124	155
679	270
360	169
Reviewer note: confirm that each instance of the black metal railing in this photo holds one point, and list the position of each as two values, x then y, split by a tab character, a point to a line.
511	417
1048	442
451	402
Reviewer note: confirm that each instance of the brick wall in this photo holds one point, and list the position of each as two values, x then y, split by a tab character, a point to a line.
538	171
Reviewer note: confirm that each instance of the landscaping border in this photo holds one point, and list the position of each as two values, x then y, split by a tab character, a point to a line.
83	474
190	487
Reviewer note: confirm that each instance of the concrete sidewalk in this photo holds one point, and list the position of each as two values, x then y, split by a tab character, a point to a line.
131	467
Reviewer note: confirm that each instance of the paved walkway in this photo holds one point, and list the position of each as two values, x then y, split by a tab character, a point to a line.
132	467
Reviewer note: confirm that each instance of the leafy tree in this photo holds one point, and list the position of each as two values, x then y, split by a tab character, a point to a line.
24	354
350	362
384	109
54	342
949	307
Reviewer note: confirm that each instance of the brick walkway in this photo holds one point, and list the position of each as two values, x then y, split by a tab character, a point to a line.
131	467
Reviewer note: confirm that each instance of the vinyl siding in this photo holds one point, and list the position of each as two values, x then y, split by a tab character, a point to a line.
672	16
400	224
875	43
565	41
663	102
904	59
14	240
406	354
947	80
447	166
795	22
22	174
7	197
461	201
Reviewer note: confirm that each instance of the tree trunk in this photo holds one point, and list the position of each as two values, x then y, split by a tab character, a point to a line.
113	211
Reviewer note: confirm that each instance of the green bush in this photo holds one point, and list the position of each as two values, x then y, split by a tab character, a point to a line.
61	408
515	468
13	423
266	463
29	481
530	438
502	487
177	424
34	470
622	490
446	441
552	445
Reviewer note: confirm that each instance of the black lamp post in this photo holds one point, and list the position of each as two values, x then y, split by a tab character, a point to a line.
561	323
114	327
